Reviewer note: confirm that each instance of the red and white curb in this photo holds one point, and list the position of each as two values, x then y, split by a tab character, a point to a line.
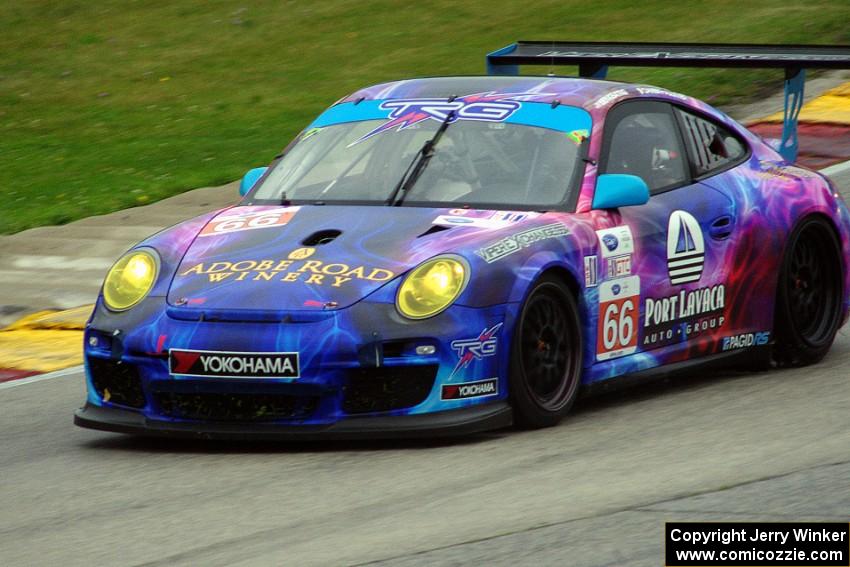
12	382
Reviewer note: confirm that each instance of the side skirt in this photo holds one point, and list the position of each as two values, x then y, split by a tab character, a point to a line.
744	358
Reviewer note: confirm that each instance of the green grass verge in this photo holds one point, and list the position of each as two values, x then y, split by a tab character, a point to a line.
110	104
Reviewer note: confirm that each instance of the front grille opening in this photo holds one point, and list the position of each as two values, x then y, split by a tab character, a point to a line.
117	383
395	349
321	237
235	407
387	388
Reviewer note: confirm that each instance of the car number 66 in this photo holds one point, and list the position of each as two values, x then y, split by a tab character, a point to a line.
618	317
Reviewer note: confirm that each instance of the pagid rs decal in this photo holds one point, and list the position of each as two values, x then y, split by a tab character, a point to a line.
480	389
217	364
681	316
619	308
746	340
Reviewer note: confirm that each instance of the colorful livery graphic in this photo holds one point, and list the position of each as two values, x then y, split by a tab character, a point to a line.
450	255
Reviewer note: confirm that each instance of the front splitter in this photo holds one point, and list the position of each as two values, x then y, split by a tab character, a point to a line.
449	423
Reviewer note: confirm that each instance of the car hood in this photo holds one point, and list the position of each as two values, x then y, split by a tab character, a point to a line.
317	257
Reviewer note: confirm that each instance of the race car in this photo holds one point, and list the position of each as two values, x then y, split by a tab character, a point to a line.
443	256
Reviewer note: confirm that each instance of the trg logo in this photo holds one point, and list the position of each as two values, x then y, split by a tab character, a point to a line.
485	344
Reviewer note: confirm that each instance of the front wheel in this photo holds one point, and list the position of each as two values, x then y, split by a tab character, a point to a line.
546	355
809	293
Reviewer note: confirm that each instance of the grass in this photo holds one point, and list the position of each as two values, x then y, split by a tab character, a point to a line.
109	104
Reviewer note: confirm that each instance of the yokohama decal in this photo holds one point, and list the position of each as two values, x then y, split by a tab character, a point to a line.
233	364
479	389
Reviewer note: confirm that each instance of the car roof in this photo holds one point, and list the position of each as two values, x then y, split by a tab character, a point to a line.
580	92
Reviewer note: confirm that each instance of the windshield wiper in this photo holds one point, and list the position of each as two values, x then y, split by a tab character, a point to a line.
417	165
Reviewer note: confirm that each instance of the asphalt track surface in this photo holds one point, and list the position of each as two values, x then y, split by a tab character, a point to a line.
595	490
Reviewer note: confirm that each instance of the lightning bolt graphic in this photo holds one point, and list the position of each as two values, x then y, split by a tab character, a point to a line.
469	355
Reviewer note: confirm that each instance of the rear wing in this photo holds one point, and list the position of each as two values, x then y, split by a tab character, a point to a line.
593	59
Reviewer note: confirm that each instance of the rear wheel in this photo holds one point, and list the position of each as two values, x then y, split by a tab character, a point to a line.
546	357
809	292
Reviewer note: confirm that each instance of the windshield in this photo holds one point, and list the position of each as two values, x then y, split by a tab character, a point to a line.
475	162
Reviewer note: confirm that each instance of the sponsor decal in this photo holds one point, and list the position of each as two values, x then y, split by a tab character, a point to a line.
610	97
771	172
619	266
617	329
678	317
791	57
484	107
248	218
591	271
480	389
662	92
445	219
233	364
498	219
745	340
313	272
616	241
578	136
301	253
485	344
516	242
309	133
322	304
685	248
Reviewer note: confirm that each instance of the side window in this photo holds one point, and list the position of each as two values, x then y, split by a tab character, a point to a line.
646	144
712	146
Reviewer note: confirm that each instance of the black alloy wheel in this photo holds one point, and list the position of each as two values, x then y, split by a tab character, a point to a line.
546	357
809	294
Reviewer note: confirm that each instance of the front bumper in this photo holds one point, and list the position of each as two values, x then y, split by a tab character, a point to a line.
360	374
450	423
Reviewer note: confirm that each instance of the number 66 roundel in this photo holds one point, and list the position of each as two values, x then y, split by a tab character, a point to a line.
619	307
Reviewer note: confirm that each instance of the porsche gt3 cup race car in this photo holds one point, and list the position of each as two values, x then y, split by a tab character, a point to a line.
450	255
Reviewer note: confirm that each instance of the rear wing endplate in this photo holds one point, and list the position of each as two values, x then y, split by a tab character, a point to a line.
593	59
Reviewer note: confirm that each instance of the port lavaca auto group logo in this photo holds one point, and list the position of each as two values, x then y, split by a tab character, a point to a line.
685	248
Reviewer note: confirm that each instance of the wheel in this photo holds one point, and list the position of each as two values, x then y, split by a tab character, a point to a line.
546	355
809	293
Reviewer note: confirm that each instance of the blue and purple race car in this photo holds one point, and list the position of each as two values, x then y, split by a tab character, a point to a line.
451	255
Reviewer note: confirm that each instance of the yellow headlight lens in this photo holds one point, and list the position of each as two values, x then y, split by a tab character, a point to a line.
432	287
130	280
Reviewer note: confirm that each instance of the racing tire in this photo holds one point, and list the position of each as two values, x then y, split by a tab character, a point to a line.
546	356
808	295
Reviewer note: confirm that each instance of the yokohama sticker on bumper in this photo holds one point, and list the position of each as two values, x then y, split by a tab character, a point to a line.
480	389
233	364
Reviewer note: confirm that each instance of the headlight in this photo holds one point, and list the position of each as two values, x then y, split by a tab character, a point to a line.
432	286
130	279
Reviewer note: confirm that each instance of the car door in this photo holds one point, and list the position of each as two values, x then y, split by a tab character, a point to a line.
718	159
664	292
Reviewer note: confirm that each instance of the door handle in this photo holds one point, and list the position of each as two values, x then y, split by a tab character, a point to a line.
721	227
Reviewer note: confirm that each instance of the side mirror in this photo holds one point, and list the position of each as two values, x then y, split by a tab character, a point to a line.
250	180
615	190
